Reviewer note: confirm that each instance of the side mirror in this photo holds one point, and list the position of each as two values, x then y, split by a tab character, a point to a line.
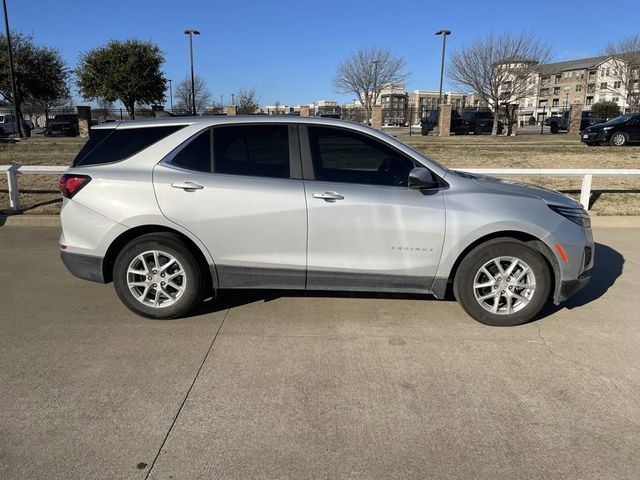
421	178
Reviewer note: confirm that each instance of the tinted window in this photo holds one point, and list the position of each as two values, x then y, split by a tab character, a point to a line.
344	156
112	145
256	150
196	155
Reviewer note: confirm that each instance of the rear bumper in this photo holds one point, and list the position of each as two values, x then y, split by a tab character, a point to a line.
86	267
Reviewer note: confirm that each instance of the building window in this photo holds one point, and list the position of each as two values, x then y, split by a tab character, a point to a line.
578	88
558	77
603	86
542	103
616	84
556	102
589	100
556	91
615	99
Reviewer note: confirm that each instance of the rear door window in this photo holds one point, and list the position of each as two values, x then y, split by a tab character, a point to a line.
196	155
113	145
253	150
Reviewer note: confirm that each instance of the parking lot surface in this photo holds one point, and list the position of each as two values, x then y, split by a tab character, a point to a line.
291	386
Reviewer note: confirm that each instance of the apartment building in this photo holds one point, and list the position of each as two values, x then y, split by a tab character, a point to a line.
554	87
422	101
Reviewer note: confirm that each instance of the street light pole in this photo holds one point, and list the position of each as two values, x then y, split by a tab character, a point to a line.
444	34
12	72
191	33
170	95
233	99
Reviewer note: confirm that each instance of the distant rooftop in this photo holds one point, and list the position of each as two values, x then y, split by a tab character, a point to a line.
581	64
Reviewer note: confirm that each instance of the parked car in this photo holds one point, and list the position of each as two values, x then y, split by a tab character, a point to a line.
480	122
561	122
170	209
8	126
62	125
470	122
617	132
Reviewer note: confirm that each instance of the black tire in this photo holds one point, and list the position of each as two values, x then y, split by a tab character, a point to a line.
619	139
591	144
172	245
554	128
463	285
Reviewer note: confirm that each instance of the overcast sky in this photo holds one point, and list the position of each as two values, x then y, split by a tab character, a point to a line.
288	49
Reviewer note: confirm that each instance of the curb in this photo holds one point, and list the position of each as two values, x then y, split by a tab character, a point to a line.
30	221
630	221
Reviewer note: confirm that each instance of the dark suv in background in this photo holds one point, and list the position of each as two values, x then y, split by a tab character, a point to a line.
617	132
63	125
470	122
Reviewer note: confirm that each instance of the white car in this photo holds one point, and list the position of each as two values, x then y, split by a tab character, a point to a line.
169	209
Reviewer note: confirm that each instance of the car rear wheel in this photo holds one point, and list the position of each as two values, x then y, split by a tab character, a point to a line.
156	276
503	282
618	139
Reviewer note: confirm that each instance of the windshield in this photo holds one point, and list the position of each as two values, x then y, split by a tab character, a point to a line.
622	118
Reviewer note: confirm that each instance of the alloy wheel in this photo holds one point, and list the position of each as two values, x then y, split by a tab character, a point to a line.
504	285
156	279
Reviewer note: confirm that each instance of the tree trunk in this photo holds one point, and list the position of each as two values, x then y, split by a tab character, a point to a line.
130	106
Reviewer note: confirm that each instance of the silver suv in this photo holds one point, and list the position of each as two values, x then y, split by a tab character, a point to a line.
171	210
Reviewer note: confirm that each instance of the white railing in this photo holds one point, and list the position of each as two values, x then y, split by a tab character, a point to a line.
585	190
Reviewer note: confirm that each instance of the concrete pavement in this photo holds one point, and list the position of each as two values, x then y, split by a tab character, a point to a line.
293	386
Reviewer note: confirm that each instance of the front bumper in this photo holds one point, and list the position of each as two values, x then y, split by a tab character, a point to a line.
86	267
594	137
569	287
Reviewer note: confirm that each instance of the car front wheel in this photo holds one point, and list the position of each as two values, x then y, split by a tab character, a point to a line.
503	282
618	139
156	276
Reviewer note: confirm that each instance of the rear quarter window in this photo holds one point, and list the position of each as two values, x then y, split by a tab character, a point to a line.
113	144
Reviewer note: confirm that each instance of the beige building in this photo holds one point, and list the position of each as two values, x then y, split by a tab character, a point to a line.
556	86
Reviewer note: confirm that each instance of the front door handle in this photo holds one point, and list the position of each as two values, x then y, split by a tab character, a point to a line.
328	196
188	186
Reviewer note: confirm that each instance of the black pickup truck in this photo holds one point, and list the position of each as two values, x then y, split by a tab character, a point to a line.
561	122
63	125
469	123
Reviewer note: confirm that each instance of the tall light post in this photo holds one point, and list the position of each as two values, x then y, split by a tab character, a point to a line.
170	95
233	99
191	32
444	34
12	73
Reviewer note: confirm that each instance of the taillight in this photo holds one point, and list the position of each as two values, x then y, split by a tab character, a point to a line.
72	184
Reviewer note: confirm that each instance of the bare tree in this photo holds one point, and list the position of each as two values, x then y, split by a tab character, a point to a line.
366	72
183	94
247	101
500	70
625	55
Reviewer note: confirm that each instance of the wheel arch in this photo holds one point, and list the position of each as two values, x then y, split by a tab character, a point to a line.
124	238
442	287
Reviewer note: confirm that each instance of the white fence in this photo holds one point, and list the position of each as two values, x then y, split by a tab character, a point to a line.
585	190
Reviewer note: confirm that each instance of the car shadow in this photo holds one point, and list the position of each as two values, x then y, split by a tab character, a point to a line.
607	268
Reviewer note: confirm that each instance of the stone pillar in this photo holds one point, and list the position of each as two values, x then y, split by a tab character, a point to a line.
231	110
575	118
444	120
376	117
84	121
304	110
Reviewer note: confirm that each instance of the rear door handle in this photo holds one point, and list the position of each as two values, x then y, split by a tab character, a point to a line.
328	196
188	186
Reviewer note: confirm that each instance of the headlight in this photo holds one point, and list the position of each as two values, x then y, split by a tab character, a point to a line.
606	129
577	215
